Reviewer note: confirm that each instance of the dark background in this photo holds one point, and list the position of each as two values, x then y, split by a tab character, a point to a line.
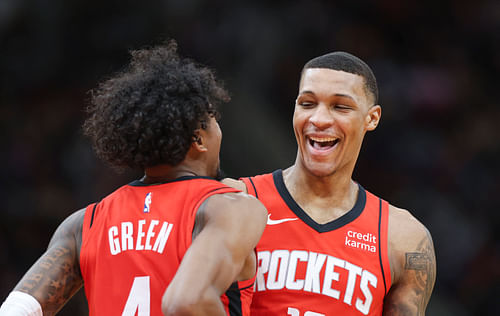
436	151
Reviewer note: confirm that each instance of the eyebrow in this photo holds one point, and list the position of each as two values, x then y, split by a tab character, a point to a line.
335	94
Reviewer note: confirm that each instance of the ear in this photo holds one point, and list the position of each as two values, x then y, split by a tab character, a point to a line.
373	117
198	141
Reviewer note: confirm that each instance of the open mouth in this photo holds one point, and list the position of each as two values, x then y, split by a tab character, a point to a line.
323	143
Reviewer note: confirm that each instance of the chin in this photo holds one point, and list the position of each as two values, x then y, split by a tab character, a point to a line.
322	173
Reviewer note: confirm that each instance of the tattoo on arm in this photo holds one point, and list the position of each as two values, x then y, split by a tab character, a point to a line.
423	263
410	295
56	276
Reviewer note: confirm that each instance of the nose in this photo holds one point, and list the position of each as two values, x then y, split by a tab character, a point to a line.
322	118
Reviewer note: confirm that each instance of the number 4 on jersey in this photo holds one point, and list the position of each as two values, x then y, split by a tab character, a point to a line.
138	298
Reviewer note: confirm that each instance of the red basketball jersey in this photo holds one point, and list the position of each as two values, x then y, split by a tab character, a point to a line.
134	240
311	269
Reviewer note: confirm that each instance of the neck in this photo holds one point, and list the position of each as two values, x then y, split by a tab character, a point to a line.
163	173
322	198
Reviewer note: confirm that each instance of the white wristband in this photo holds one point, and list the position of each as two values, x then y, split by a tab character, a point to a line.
20	304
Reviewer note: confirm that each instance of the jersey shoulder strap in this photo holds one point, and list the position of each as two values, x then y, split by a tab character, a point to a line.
383	243
254	183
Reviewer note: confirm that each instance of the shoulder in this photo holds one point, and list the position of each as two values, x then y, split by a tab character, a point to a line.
70	230
72	224
404	228
410	242
403	223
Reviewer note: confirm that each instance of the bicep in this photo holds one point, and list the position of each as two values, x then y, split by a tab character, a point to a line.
411	292
55	277
229	232
226	240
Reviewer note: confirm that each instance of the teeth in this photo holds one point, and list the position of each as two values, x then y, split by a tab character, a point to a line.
323	139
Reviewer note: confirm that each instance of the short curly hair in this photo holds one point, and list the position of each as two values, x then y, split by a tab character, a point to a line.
146	115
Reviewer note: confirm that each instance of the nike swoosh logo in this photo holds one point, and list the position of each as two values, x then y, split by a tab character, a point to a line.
278	221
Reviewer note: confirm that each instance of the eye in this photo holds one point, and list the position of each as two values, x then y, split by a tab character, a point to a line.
306	103
342	107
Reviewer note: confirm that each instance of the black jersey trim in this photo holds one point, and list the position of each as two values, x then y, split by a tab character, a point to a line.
247	287
254	188
345	219
139	183
93	213
234	297
380	244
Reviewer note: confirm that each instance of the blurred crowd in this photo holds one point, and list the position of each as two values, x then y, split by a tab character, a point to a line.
436	151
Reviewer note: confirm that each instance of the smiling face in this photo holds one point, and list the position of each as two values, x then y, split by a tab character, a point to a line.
332	114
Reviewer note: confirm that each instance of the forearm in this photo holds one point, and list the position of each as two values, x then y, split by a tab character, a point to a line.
200	281
55	277
52	280
208	303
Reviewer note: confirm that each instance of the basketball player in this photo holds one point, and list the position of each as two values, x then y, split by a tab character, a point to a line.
175	227
331	247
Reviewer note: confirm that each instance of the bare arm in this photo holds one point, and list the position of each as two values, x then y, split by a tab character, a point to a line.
237	184
228	228
413	265
55	277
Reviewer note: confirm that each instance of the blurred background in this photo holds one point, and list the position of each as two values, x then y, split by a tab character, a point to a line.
436	151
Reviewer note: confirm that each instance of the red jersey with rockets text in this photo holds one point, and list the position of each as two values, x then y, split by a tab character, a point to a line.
134	240
311	269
